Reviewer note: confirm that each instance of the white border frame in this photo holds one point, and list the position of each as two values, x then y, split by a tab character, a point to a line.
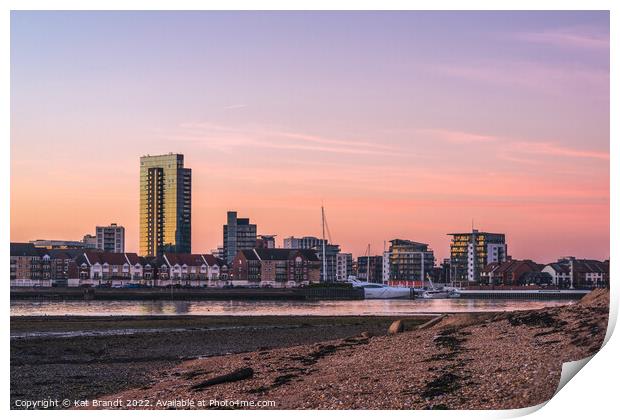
599	378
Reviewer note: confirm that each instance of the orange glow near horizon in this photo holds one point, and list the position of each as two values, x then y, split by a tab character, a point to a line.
544	217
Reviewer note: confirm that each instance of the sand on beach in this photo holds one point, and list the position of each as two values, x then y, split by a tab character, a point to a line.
481	361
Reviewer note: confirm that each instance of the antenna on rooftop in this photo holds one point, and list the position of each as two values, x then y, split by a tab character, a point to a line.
368	265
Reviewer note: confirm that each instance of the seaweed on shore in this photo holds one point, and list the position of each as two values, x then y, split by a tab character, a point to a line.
450	342
538	319
237	375
446	383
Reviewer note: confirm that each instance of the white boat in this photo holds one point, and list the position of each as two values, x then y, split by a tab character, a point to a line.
454	293
435	294
381	291
438	293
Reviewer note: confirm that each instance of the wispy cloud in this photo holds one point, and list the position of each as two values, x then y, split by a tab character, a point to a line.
458	137
579	37
229	139
513	149
511	157
236	106
553	149
331	141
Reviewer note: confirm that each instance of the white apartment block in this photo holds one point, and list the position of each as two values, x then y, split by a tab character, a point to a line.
386	266
344	262
111	238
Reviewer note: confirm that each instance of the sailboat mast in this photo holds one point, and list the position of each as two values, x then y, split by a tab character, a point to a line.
323	240
368	265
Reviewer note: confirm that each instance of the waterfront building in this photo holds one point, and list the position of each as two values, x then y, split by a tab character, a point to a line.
239	235
57	244
28	267
587	273
110	238
195	270
121	269
571	272
376	268
386	267
305	242
331	261
410	262
63	266
560	274
344	266
435	275
60	262
444	272
90	241
277	268
218	252
513	273
149	270
109	268
471	252
165	205
218	270
186	269
266	241
536	278
316	244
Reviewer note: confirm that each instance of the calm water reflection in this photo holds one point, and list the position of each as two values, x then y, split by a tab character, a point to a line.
236	307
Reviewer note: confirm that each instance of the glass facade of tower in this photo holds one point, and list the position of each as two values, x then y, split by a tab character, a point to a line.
410	261
165	205
470	252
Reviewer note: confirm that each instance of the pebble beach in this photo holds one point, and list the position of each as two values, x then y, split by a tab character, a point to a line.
463	361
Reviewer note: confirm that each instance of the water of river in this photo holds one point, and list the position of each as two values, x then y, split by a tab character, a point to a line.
254	308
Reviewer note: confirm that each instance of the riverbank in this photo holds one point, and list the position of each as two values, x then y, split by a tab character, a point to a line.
184	294
262	294
466	361
79	357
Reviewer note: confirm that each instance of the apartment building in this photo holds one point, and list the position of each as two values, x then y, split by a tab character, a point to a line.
110	238
571	272
165	205
470	252
278	268
344	266
266	241
370	269
238	235
513	273
410	262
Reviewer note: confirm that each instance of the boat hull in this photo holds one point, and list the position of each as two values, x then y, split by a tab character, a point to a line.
435	295
382	291
399	293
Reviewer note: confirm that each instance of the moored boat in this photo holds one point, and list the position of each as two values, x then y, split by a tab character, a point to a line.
435	294
381	291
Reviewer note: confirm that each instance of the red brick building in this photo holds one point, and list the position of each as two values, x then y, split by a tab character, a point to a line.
509	273
275	267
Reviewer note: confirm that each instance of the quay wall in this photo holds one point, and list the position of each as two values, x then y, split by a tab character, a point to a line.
73	293
524	294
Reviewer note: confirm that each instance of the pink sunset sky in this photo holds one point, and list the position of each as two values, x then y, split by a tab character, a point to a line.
404	125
